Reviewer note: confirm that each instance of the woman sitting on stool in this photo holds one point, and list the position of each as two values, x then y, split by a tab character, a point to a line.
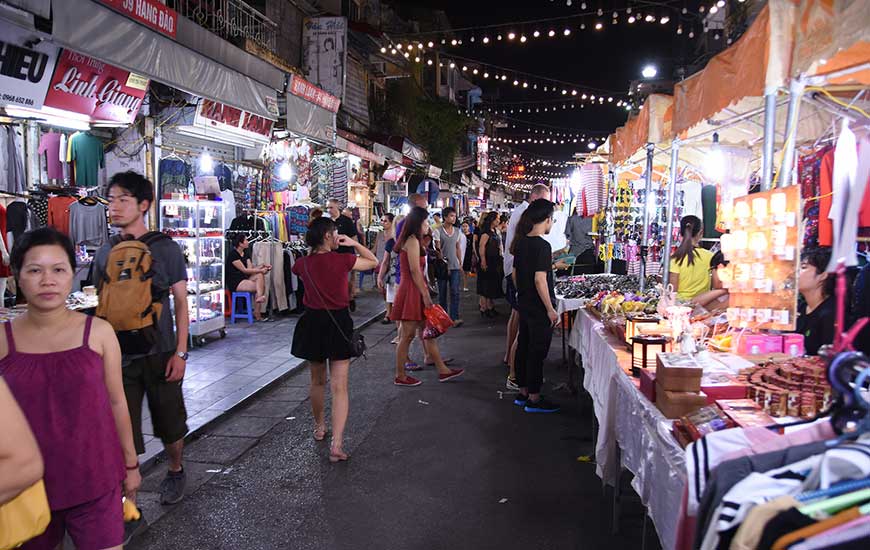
241	273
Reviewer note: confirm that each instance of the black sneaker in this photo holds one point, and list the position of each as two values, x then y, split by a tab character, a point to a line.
352	305
172	487
134	528
542	405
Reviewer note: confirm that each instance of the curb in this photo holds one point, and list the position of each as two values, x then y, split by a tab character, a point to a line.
148	464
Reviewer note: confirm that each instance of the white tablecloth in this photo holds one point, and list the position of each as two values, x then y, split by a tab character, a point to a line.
626	417
567	304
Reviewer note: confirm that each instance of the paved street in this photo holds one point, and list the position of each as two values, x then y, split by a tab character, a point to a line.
450	465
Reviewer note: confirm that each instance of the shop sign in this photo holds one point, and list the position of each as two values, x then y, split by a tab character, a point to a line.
434	171
151	13
214	114
358	151
483	156
25	71
398	189
309	92
324	52
85	85
474	203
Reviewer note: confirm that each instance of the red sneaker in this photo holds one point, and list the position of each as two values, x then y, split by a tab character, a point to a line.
409	381
454	373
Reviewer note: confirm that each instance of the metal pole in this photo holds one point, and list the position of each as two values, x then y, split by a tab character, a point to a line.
769	139
796	90
644	243
672	191
608	245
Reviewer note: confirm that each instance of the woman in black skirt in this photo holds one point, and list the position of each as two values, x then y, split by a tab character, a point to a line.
323	333
491	272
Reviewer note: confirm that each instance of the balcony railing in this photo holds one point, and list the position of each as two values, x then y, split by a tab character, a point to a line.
233	20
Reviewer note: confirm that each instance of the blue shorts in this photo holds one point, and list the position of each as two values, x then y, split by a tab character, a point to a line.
511	293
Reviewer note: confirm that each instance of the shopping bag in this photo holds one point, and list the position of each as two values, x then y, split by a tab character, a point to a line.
24	517
437	321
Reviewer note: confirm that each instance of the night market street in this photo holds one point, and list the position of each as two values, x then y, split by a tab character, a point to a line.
453	465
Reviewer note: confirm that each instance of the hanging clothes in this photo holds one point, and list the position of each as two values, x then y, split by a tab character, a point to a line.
88	224
175	176
50	151
272	253
16	219
5	270
58	213
338	181
11	161
86	152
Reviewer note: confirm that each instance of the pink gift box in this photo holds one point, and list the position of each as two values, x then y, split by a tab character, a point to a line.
773	343
752	344
793	344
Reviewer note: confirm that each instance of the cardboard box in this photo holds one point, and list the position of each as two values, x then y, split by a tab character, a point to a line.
674	404
746	413
678	372
722	386
648	384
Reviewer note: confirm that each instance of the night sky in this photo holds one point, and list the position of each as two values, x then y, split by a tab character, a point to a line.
606	60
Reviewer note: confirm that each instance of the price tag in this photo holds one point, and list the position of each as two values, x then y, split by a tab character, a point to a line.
781	316
763	315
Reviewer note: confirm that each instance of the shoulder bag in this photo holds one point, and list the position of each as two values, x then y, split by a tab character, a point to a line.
357	341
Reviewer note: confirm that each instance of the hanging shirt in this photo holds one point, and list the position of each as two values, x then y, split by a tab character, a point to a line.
692	205
11	161
229	200
49	145
87	224
58	213
87	153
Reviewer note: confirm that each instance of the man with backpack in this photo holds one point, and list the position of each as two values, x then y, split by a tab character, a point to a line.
135	274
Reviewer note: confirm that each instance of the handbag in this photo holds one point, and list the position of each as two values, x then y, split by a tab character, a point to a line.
24	517
357	341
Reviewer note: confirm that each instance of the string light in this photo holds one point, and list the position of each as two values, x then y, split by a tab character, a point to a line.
567	32
536	34
552	33
523	38
511	36
486	40
598	26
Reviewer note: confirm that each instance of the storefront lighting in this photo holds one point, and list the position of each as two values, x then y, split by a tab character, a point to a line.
285	171
206	163
52	117
649	71
714	165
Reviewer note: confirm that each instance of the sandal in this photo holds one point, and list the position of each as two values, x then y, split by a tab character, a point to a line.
320	433
339	456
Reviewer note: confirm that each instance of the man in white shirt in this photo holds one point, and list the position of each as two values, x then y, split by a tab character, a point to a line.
539	191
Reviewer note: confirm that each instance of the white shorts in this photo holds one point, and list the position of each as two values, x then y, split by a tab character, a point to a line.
391	292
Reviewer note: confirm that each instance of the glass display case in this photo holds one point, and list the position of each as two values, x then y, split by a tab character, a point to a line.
196	225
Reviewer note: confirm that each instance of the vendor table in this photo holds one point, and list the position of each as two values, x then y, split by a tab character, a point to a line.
632	432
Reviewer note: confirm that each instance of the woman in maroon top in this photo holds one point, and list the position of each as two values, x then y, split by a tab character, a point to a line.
64	369
323	332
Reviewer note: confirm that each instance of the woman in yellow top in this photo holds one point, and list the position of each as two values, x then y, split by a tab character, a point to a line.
690	264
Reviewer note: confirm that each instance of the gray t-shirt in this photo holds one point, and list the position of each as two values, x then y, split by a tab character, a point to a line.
577	231
87	224
448	247
169	267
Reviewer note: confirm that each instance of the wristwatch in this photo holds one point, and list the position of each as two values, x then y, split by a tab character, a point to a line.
183	355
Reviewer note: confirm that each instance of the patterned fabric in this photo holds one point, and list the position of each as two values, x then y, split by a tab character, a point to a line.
808	176
338	181
39	207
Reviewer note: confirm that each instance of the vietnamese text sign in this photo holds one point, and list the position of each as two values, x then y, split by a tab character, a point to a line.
24	71
309	92
150	13
214	114
324	52
87	86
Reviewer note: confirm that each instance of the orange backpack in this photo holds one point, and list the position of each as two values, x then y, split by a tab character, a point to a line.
128	299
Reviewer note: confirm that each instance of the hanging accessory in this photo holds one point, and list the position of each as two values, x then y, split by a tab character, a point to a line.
357	341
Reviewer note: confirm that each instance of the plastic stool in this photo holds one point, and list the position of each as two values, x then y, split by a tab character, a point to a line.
249	311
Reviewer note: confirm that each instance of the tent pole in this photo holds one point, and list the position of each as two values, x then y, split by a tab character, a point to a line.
672	191
644	243
611	204
769	138
796	90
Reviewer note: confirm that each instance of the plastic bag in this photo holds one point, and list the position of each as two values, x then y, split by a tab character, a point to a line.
437	321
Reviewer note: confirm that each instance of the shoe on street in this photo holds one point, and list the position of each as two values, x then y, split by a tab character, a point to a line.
511	384
454	373
408	381
521	400
172	487
542	405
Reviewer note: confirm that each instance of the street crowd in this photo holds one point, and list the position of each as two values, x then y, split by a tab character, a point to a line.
61	370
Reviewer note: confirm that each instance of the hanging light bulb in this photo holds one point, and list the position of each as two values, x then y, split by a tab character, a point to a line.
536	34
582	26
583	5
664	20
504	77
516	82
485	75
430	44
417	59
511	35
685	10
474	71
393	51
567	32
573	92
720	3
691	34
452	65
680	29
383	50
526	85
428	61
399	46
598	26
523	38
631	19
486	40
714	10
552	33
453	42
498	37
650	18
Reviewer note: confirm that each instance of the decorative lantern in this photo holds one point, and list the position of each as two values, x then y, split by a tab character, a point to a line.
631	322
643	352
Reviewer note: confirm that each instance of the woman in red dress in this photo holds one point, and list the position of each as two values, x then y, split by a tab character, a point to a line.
412	297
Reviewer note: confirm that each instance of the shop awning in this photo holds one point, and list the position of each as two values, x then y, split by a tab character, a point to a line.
651	125
831	37
758	61
358	150
95	30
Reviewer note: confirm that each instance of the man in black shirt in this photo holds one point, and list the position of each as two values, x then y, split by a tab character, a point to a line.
347	227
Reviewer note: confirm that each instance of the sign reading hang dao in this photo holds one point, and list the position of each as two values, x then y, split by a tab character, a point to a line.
24	71
150	13
85	85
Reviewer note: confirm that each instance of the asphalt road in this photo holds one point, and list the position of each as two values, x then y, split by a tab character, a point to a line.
453	465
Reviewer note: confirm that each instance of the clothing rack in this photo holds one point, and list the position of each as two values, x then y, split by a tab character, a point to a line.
181	152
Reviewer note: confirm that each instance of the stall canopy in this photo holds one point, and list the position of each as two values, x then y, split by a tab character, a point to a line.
106	35
651	125
833	36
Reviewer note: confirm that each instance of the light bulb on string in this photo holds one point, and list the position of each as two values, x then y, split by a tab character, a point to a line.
399	46
714	10
393	51
664	20
536	34
429	62
720	3
383	50
486	40
511	35
600	12
498	37
552	33
650	18
523	39
567	32
598	26
417	59
680	29
452	65
631	19
464	68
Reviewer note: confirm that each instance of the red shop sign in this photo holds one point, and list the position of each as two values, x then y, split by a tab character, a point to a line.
85	85
309	92
150	13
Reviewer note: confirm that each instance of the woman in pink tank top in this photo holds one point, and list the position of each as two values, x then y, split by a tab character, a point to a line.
64	369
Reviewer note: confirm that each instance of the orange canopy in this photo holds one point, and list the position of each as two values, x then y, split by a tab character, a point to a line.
758	61
651	125
832	35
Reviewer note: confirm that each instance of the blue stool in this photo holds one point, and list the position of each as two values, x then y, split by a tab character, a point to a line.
249	311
